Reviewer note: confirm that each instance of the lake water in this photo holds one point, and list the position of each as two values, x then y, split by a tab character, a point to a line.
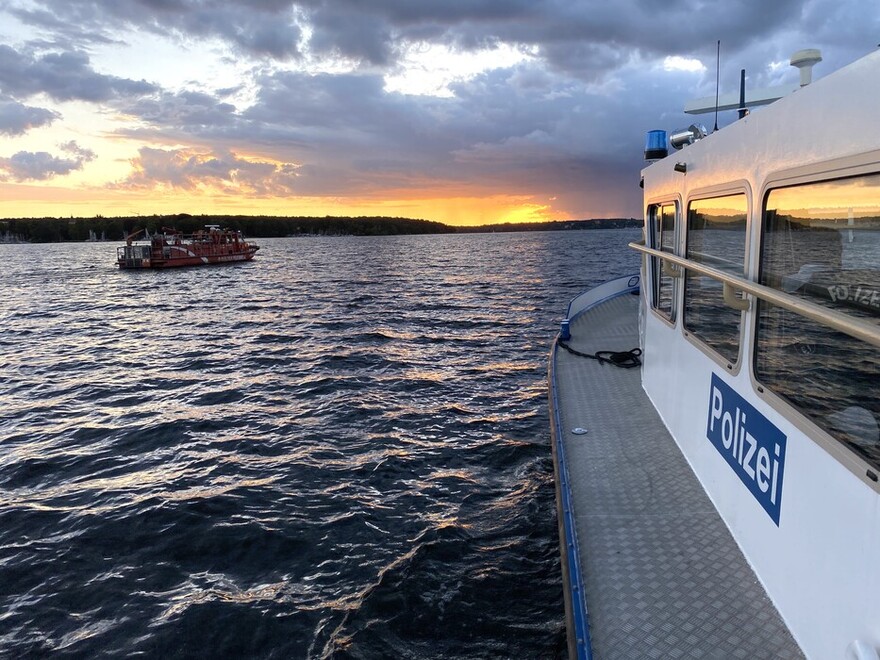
340	449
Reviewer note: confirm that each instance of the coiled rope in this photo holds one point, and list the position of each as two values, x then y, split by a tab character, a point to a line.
623	359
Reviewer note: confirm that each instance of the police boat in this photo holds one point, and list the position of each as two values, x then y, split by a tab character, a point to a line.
720	497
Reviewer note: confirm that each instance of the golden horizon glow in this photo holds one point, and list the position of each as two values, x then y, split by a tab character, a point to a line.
39	201
119	185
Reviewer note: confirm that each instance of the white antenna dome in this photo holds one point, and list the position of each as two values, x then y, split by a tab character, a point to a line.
805	60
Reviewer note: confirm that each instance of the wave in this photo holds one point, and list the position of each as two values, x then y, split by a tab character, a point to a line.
339	449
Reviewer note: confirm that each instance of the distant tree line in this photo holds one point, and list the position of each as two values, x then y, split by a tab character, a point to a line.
53	230
556	225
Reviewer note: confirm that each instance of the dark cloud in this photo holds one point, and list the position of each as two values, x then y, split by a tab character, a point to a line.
17	118
352	103
188	110
374	32
523	128
63	76
62	30
258	27
579	37
41	165
589	40
357	34
516	128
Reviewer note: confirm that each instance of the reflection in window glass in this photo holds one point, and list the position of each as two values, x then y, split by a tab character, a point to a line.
662	238
716	237
822	243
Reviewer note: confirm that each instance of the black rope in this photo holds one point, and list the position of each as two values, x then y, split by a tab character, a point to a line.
622	359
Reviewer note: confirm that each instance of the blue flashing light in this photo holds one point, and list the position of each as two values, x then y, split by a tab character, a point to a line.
565	330
655	145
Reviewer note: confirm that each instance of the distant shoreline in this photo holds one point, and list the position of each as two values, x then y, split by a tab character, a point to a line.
99	228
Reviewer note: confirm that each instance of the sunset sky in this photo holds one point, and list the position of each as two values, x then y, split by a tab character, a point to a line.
461	111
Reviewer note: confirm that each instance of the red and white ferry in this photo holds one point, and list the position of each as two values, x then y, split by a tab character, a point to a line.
172	248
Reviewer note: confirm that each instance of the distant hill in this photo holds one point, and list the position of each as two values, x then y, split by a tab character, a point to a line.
51	230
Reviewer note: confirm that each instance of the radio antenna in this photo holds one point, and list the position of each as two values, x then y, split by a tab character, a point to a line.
717	77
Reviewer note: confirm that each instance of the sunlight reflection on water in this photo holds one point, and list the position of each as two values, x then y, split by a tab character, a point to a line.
341	447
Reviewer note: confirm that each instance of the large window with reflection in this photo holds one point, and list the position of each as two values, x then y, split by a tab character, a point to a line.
821	243
716	237
661	236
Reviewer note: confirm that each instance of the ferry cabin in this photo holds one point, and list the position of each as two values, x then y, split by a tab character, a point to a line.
760	326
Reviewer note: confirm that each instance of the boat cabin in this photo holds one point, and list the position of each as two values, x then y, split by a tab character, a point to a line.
760	326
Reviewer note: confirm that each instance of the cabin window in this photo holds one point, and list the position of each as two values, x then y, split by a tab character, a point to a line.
716	237
821	243
662	237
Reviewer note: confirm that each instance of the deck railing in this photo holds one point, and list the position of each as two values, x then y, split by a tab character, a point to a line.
850	325
597	294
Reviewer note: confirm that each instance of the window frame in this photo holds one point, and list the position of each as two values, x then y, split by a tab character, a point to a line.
653	276
740	187
864	164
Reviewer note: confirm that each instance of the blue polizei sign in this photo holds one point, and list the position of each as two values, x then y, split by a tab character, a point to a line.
751	445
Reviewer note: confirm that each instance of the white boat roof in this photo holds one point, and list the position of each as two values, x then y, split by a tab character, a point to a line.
808	126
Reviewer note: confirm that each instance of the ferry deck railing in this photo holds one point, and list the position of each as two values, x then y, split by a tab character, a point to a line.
850	325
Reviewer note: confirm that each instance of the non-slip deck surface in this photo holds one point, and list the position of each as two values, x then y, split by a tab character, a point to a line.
663	576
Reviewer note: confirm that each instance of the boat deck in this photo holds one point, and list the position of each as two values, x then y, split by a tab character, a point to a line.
661	573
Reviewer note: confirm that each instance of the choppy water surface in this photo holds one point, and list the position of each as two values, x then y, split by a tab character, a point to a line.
340	449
